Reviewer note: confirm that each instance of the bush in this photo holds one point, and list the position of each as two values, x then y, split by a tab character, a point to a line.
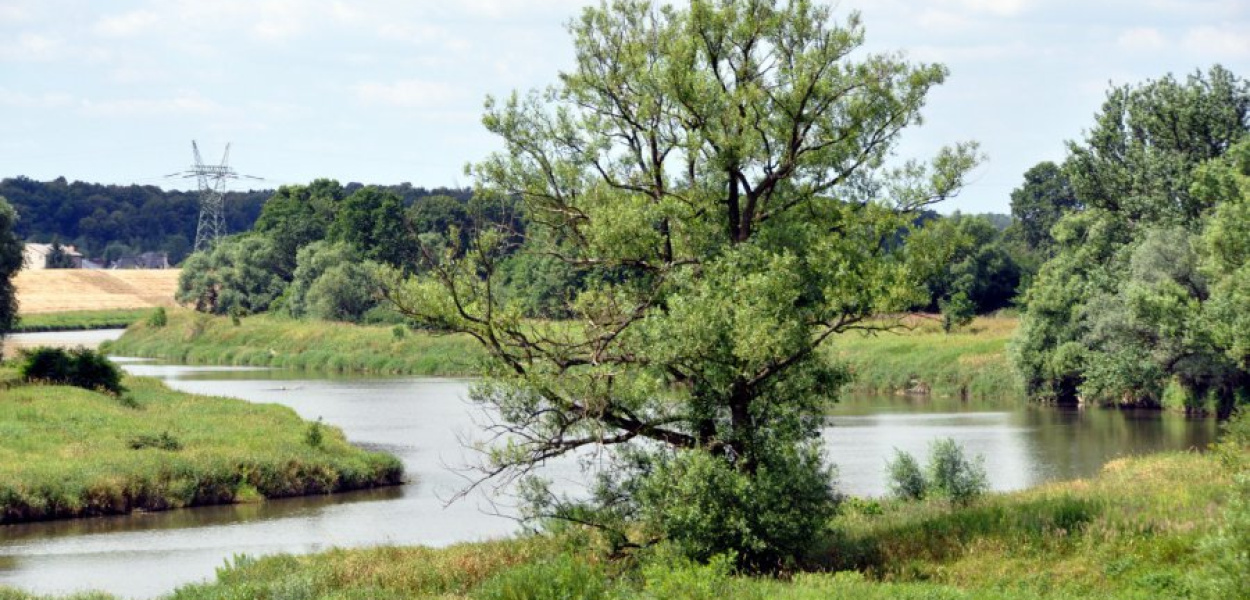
906	480
950	474
705	506
158	318
164	441
80	367
953	475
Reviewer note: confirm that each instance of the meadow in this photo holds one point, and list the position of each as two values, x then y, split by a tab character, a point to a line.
69	452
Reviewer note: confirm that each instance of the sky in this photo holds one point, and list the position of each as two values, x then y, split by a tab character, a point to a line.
390	91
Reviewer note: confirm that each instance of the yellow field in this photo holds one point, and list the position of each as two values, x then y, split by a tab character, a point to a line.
60	290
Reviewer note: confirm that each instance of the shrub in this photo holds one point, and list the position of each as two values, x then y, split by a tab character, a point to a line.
158	318
953	475
957	311
164	441
80	367
949	474
705	506
314	436
906	480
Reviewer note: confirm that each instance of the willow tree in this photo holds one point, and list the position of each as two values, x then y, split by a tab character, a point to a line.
719	175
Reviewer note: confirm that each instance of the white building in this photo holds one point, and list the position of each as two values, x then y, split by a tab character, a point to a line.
35	256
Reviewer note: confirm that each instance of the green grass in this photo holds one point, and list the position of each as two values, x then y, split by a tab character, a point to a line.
1136	531
969	363
269	341
81	320
68	452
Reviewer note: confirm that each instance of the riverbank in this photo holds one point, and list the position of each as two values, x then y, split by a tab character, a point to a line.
269	341
68	452
971	363
81	320
1145	527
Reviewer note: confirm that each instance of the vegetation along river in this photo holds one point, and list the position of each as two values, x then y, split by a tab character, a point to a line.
422	421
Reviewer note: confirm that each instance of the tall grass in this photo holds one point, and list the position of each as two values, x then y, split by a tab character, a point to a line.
968	363
81	320
68	452
271	341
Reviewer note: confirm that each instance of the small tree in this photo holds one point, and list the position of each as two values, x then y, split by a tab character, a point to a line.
957	311
10	264
906	480
953	475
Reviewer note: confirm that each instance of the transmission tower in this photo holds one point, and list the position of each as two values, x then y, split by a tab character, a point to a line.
212	181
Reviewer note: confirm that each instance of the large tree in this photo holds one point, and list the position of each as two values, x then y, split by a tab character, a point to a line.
726	163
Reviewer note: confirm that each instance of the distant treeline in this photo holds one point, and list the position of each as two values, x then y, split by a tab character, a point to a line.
111	221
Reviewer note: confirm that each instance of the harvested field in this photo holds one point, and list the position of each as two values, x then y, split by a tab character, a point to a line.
60	290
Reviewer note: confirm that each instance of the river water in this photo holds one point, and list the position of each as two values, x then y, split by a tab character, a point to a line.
425	422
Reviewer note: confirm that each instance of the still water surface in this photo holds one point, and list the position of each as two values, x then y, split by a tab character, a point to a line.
423	421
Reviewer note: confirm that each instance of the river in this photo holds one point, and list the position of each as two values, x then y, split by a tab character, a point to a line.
424	422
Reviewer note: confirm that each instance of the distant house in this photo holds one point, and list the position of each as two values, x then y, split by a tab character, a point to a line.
35	256
147	260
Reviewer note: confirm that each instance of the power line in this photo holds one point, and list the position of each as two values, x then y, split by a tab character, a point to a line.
212	182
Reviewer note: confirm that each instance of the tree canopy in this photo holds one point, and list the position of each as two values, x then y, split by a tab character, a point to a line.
1137	304
10	263
725	166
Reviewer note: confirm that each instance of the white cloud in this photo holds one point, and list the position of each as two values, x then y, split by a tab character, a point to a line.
1141	39
410	93
16	99
1215	42
33	47
184	103
1002	8
126	25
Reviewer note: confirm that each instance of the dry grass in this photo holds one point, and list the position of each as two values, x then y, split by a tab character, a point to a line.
61	290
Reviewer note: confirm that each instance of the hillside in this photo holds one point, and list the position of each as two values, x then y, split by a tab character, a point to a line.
60	290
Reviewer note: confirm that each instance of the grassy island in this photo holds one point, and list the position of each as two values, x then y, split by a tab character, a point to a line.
68	452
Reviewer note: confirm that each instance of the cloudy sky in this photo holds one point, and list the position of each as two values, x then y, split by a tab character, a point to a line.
385	91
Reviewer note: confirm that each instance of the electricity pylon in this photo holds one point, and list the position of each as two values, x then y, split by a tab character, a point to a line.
212	180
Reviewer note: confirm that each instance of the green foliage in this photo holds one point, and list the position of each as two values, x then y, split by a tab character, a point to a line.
949	474
164	441
332	282
59	258
983	268
953	475
1040	202
957	311
703	505
371	220
296	216
562	577
10	264
158	318
314	435
80	367
81	320
238	274
718	174
905	478
1143	301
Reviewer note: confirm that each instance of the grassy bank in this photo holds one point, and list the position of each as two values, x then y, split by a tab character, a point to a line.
1136	531
969	363
68	452
79	320
267	341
